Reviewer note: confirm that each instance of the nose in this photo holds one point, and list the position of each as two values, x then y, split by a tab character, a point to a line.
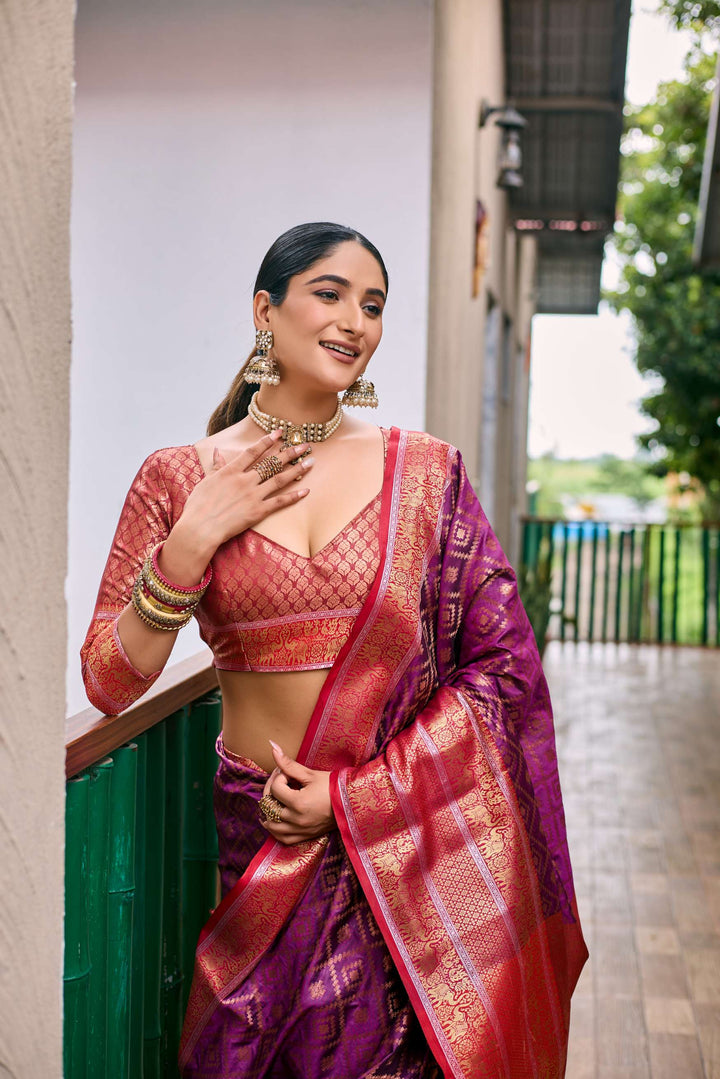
351	318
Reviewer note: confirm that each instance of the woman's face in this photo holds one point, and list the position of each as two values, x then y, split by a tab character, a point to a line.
330	322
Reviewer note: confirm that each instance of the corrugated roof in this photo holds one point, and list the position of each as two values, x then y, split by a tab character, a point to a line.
565	69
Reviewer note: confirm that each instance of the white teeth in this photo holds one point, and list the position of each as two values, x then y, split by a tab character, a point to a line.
339	348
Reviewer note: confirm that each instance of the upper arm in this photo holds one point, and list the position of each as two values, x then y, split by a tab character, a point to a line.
145	520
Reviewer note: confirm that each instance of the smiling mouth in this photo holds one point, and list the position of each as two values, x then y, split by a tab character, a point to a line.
341	350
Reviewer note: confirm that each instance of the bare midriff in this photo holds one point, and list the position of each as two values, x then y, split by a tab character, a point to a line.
259	705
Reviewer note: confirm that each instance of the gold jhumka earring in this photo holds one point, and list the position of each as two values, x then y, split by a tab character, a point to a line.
262	367
361	394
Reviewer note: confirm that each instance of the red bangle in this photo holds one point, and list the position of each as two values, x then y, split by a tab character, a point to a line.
192	589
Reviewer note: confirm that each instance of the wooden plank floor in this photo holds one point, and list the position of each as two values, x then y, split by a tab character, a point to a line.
638	731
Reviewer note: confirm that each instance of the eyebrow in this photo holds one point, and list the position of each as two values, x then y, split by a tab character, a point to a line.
344	281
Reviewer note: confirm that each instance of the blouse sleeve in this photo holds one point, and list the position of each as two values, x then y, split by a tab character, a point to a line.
112	683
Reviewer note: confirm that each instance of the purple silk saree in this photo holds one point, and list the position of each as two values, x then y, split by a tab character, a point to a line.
441	914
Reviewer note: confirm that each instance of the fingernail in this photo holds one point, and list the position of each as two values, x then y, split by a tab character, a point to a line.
308	461
305	491
274	745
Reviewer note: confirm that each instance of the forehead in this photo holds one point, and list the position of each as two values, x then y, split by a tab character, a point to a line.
351	261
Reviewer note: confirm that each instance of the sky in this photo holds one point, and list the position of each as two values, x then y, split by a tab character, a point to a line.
584	385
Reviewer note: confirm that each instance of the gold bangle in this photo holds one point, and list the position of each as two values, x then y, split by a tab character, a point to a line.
170	596
176	592
164	608
154	617
151	621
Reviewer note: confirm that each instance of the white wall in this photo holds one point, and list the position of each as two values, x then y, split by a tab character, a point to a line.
203	131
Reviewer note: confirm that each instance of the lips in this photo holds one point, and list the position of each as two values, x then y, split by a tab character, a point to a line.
339	351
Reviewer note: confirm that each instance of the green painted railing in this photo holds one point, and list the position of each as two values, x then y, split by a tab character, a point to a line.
141	880
645	582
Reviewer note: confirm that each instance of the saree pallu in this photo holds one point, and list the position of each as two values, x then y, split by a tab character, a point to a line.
450	855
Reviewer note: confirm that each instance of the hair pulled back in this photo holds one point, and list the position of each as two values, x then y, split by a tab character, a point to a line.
294	252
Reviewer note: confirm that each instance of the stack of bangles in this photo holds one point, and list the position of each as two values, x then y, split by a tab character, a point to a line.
162	604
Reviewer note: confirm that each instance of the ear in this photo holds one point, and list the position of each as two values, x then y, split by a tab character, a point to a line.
261	310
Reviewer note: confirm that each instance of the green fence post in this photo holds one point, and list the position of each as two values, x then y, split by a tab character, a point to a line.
99	810
676	585
563	585
121	895
154	877
606	585
618	589
137	993
171	1002
578	579
76	975
593	571
706	583
643	578
200	850
661	588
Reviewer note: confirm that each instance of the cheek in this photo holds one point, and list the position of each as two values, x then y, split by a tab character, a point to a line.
376	334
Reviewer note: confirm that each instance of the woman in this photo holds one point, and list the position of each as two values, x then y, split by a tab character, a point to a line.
397	896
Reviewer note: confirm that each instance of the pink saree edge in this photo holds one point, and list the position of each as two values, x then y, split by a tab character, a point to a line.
354	856
389	479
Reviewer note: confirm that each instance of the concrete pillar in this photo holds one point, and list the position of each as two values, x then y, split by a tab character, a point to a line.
36	50
468	68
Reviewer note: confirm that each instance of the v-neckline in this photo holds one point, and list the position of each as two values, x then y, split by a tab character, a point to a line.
330	542
385	433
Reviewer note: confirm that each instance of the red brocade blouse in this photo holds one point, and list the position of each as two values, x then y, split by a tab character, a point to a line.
267	608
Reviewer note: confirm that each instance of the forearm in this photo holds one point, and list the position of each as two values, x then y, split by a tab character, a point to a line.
147	649
183	559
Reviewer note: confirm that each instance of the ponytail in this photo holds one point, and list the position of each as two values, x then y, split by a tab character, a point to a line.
234	406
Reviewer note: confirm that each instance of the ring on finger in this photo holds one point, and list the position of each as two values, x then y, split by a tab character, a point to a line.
271	809
268	467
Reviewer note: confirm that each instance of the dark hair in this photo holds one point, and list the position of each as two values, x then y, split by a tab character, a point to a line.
292	253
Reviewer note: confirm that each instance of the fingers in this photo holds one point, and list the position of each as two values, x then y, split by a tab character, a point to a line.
267	789
283	457
288	766
287	834
282	489
217	460
254	452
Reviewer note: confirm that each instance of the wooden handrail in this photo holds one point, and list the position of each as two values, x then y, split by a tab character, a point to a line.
90	736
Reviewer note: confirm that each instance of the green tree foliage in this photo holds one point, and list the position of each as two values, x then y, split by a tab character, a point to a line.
675	308
695	15
582	479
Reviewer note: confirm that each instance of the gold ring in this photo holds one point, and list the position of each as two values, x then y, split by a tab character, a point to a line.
268	467
271	809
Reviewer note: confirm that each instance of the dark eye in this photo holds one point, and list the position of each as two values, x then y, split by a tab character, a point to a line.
327	294
373	309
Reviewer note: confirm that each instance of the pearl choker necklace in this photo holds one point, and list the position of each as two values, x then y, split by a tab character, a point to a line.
295	433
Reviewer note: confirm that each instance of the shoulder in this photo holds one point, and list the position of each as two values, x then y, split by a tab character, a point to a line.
170	470
434	451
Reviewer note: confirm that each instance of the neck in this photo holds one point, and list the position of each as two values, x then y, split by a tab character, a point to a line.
297	406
